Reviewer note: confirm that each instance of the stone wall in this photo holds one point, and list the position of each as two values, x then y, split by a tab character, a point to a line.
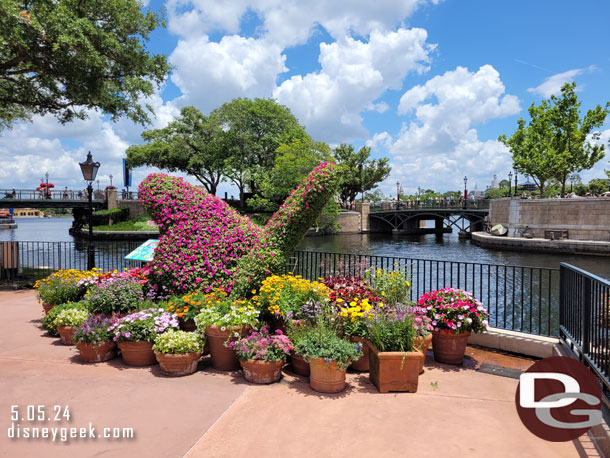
349	222
584	219
135	208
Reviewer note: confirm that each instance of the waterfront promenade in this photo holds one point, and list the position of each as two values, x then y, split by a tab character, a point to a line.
456	411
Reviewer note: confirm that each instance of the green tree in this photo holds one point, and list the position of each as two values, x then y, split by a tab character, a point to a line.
569	134
62	57
531	146
503	184
496	193
598	185
357	173
191	143
254	129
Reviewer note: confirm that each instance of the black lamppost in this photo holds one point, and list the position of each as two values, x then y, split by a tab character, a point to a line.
398	195
572	181
110	179
465	190
89	169
515	184
510	178
46	190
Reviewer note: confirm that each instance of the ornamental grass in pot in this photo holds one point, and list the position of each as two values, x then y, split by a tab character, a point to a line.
222	321
328	356
394	362
178	352
94	340
66	321
455	314
262	355
136	333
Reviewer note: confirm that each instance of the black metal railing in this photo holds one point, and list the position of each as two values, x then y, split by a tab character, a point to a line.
584	314
9	195
30	261
440	203
518	298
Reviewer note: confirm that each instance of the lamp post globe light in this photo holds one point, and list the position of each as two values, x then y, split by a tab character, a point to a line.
510	178
515	183
89	170
397	195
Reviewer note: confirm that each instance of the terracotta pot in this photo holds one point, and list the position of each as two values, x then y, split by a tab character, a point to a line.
362	364
89	353
139	353
326	377
187	325
263	372
449	348
223	358
395	370
66	333
422	344
299	365
179	364
47	307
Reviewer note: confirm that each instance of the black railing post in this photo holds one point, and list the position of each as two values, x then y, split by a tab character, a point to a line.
562	297
586	317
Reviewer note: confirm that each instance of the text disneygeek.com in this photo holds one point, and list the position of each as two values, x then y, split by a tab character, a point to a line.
24	418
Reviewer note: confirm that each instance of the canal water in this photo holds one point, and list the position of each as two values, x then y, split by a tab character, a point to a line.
447	248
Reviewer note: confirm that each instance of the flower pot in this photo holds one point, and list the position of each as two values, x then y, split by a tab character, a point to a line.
263	372
362	364
139	353
187	325
449	348
223	358
179	364
299	365
90	353
47	307
66	333
422	344
394	370
326	377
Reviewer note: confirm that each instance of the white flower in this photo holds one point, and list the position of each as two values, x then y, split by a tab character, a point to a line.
469	320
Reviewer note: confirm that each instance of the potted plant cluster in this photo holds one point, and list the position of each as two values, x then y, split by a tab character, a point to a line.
94	340
66	321
262	355
48	321
222	320
455	314
62	286
136	334
328	356
353	317
114	294
186	309
394	362
178	352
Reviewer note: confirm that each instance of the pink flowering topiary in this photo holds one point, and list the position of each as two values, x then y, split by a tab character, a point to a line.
207	244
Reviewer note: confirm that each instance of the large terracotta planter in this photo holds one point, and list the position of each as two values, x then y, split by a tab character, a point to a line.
362	364
138	353
223	358
394	370
47	307
326	377
66	334
179	364
422	344
263	372
187	325
299	365
89	353
449	348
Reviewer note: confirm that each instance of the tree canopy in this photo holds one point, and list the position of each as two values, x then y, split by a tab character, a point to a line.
62	57
557	141
357	173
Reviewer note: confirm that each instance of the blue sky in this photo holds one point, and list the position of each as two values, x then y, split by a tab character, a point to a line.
428	83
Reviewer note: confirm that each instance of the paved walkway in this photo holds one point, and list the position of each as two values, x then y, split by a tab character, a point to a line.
456	412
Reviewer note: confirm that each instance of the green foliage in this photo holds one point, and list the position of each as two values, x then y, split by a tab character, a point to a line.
48	322
70	317
598	186
107	217
140	224
557	141
116	295
178	342
322	342
191	143
497	193
393	286
66	56
390	333
357	173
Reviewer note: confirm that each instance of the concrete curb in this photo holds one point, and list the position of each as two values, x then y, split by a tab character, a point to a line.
515	342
